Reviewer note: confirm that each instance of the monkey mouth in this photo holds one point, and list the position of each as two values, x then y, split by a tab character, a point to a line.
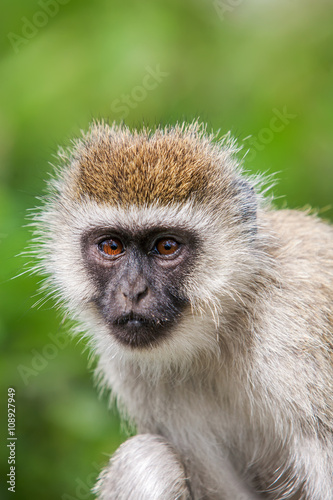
133	320
137	331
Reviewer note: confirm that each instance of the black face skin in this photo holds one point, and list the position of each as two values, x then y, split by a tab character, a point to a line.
139	276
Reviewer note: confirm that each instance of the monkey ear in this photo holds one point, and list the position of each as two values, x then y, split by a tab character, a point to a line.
247	197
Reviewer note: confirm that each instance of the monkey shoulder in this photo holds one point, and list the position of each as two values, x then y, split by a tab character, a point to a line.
303	244
303	254
299	314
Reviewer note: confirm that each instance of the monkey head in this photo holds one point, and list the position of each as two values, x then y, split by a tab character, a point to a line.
144	230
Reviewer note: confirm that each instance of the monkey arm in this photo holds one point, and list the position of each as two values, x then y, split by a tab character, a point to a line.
145	467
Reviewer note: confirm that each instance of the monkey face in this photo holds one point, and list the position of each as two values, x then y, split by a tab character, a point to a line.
139	278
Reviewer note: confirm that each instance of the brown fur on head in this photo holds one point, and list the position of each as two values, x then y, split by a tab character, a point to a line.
114	165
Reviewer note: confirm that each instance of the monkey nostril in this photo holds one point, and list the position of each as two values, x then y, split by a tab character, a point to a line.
141	295
135	295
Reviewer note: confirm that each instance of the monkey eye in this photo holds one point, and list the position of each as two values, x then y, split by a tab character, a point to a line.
166	246
111	247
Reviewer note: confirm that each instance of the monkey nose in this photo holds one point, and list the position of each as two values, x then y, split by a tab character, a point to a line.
134	293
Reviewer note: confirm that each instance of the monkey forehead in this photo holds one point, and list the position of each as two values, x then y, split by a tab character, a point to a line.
115	166
90	214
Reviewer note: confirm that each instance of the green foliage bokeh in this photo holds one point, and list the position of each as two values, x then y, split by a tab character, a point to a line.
262	69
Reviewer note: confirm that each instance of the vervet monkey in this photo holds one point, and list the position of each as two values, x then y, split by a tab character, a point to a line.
210	312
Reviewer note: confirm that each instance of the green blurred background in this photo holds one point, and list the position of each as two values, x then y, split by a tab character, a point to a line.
262	69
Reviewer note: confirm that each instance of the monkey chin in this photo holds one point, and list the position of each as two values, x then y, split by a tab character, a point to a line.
139	332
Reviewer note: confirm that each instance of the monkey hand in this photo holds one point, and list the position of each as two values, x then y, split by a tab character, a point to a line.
145	467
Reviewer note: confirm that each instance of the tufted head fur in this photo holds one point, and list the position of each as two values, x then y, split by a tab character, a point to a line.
111	164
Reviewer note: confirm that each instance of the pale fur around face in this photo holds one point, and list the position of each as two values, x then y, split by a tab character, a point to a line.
242	390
